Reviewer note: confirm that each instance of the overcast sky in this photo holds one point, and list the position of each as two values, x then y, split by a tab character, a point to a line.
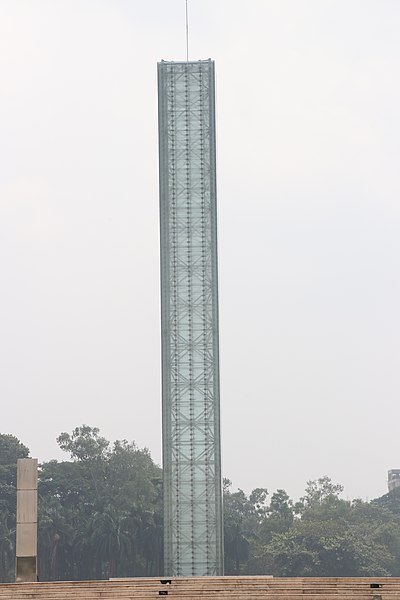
308	99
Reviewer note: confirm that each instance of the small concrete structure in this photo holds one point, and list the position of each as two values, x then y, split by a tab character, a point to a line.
26	542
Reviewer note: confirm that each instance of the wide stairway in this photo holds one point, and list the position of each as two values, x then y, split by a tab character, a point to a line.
208	588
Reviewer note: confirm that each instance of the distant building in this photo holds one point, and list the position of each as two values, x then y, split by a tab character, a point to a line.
393	479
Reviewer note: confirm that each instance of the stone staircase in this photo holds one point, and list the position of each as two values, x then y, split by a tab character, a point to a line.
209	588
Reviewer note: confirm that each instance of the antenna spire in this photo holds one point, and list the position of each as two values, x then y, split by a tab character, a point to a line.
187	31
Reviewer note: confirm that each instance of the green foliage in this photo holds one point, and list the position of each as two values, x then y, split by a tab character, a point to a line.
10	450
321	535
237	516
84	444
100	516
249	523
327	548
391	501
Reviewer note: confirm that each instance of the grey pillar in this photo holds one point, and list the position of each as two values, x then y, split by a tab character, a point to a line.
26	543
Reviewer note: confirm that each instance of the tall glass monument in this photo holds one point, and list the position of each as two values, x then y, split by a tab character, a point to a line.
193	543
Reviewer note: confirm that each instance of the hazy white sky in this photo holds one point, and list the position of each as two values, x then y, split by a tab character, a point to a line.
308	98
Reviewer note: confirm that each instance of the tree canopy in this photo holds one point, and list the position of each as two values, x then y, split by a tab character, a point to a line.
10	450
100	513
100	516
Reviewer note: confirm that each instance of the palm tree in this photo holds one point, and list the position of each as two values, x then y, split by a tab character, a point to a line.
111	538
150	535
55	540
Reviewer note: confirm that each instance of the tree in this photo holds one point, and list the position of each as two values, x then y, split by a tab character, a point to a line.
112	538
391	501
335	537
10	450
242	519
107	520
327	549
319	492
100	516
84	444
56	535
280	516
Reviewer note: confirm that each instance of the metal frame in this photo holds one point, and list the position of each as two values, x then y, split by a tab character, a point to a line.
193	542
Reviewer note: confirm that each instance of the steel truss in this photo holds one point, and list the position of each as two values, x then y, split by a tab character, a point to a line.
189	315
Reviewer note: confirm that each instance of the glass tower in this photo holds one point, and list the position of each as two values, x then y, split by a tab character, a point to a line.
189	320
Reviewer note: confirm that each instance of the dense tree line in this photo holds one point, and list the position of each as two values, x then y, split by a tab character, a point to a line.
100	516
322	535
